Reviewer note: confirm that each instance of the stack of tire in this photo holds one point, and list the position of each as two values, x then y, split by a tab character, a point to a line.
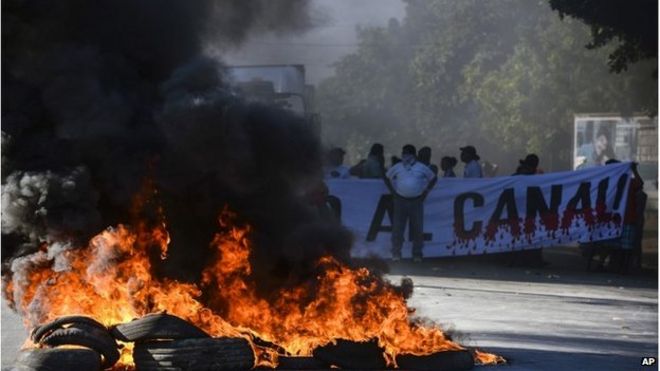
166	342
74	343
162	342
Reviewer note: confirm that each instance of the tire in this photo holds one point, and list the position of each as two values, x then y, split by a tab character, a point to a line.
453	360
157	326
43	329
194	354
58	359
352	355
87	336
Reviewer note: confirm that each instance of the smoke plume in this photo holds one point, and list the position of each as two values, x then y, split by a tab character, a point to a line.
102	97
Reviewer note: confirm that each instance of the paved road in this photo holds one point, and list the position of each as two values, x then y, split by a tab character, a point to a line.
13	335
545	326
542	319
555	318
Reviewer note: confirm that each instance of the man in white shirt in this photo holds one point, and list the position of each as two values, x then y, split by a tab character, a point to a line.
335	168
471	159
409	181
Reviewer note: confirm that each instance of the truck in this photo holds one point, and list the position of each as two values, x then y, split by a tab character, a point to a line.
281	85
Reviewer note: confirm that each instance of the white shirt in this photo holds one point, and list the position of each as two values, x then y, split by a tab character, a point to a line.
410	180
337	172
472	170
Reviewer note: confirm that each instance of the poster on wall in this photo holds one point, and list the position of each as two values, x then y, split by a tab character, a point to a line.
601	138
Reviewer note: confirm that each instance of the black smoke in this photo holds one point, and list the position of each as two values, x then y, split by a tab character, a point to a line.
98	96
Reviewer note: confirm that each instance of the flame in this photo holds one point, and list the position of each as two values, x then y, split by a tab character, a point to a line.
111	280
483	358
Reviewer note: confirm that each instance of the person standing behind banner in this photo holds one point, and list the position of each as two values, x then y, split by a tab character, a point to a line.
447	166
335	168
632	214
529	166
424	156
409	181
533	257
374	166
471	159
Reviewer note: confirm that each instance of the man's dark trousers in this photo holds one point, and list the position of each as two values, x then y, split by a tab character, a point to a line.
409	210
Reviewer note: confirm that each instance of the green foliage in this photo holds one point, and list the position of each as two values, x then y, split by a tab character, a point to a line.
506	76
635	24
529	101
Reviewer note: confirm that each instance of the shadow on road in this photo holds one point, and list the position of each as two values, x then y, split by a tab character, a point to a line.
565	265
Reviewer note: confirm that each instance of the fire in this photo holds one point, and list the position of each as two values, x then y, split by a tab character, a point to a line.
483	358
111	280
343	304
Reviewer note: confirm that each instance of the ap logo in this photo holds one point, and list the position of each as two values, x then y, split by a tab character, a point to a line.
648	361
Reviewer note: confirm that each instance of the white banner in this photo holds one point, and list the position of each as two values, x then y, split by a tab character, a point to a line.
490	215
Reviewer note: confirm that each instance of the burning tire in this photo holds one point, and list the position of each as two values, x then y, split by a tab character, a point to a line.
87	336
194	354
453	360
58	359
40	331
352	355
157	326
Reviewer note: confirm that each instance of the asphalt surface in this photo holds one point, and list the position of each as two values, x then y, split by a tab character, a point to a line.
559	317
13	335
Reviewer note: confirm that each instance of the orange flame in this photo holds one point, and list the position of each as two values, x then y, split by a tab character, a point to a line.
482	358
111	281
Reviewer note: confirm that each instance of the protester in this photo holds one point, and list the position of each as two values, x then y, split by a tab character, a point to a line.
373	166
631	226
447	166
424	156
335	168
409	181
533	257
529	166
471	159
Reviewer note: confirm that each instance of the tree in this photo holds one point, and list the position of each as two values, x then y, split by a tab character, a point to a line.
633	23
505	76
370	87
528	103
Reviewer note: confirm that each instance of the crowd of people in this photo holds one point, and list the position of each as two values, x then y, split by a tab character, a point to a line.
411	177
374	167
